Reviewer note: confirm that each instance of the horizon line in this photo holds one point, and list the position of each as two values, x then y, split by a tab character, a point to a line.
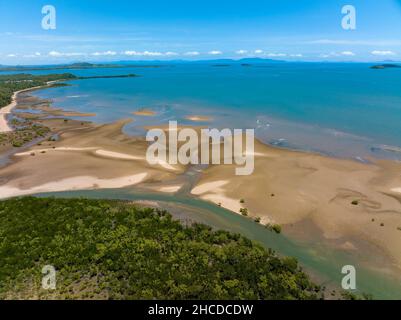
108	62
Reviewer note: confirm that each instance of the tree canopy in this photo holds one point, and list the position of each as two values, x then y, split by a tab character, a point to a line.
105	249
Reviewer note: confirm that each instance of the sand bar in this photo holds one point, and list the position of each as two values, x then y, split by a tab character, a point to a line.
144	113
197	118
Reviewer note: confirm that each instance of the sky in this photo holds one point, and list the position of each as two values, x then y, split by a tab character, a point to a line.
105	30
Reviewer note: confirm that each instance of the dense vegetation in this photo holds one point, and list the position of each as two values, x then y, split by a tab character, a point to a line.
15	82
25	132
385	66
112	249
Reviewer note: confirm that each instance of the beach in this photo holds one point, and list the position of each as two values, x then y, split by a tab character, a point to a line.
347	204
5	111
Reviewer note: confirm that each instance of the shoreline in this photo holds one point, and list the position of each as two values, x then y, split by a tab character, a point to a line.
288	187
7	110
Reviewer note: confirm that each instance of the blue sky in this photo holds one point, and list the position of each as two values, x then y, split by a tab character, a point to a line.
100	30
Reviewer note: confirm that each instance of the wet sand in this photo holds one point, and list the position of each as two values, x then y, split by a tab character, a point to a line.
197	118
351	205
144	113
354	205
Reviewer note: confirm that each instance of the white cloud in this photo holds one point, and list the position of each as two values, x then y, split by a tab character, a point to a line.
65	54
105	53
30	55
338	54
11	55
144	53
152	53
258	51
170	53
192	53
356	42
383	53
274	55
215	52
241	51
347	53
55	54
132	53
296	55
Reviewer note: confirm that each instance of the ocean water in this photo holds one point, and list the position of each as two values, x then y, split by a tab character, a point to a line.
339	109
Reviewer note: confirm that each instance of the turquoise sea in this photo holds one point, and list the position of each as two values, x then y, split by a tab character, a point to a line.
340	109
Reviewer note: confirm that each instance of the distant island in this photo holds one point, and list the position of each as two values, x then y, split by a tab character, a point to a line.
386	66
74	66
131	75
16	82
136	64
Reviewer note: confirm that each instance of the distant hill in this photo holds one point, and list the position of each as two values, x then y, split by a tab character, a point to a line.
80	65
386	66
136	64
230	61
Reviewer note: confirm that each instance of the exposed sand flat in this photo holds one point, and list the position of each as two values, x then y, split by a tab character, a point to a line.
218	197
198	118
27	153
99	152
124	156
144	113
288	187
117	155
74	183
166	165
224	201
62	113
170	189
93	156
206	187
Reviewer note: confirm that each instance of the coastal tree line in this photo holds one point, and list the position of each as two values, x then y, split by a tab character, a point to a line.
16	82
104	249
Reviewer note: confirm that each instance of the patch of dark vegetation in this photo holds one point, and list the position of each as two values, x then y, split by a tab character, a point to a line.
104	249
274	227
23	134
16	82
386	66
